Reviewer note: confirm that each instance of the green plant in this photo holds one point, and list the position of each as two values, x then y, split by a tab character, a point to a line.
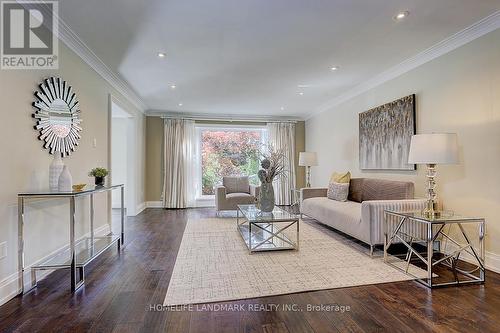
98	172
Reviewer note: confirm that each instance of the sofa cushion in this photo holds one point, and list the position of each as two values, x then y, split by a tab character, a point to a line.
344	216
240	199
236	184
355	190
381	189
338	191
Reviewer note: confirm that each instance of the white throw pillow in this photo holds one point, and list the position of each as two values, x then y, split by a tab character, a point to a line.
338	191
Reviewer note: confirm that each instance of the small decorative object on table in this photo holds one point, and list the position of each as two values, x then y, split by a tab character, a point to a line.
65	180
79	187
55	169
272	167
99	174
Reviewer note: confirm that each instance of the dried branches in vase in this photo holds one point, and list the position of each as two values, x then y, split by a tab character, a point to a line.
273	167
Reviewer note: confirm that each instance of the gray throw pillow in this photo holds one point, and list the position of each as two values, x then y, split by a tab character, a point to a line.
338	191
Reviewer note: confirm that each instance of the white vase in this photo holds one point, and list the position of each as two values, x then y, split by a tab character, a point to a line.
55	169
65	181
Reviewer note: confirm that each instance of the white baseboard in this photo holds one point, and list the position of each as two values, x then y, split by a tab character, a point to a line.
140	208
9	287
200	203
154	204
203	203
491	260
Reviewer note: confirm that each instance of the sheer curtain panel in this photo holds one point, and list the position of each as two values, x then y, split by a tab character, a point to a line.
179	137
282	136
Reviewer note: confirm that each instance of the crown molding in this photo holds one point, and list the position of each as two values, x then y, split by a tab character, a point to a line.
78	46
220	117
478	29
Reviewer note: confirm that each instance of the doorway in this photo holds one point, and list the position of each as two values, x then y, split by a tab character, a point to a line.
122	166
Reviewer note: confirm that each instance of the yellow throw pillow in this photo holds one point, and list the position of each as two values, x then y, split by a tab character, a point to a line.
343	177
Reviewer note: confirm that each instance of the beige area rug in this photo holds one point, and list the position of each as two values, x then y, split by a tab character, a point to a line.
213	264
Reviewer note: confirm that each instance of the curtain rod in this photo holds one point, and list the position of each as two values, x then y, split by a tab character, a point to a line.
232	120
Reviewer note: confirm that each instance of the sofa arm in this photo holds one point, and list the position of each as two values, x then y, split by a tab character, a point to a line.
372	214
255	190
220	195
312	192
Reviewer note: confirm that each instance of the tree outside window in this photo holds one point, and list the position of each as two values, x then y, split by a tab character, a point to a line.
229	152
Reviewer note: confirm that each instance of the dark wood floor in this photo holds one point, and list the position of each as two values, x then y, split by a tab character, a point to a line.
121	289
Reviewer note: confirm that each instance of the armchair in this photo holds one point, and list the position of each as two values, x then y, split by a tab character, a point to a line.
235	191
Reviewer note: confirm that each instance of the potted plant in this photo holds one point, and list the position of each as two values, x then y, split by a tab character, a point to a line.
99	174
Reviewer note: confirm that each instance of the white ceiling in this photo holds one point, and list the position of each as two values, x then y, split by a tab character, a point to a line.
246	57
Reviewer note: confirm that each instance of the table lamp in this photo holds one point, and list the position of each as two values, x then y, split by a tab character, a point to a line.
308	160
432	149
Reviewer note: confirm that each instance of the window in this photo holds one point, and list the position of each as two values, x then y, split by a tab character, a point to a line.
228	151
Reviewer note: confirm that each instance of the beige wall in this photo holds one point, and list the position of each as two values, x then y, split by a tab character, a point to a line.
458	92
154	135
24	165
300	146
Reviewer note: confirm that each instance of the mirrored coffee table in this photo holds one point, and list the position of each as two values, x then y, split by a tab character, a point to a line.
278	230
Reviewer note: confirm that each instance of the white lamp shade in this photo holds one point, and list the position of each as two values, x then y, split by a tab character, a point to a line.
434	149
308	159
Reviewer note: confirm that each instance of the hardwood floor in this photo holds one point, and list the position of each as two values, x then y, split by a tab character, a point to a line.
121	292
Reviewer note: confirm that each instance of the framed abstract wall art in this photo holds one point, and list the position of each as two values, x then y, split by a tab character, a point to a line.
384	135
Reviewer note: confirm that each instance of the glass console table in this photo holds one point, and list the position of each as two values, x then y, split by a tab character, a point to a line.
80	252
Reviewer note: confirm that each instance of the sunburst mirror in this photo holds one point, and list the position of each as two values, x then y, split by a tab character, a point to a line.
58	116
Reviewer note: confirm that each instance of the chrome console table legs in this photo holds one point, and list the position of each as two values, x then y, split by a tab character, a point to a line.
80	251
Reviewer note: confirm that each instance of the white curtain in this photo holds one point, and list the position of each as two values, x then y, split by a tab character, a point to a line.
282	136
179	137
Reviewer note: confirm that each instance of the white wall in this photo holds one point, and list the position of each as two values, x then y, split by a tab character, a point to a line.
458	92
24	163
119	155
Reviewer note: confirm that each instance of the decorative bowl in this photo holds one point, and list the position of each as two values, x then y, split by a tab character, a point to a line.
79	187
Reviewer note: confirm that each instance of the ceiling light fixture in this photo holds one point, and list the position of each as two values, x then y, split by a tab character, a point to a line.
173	86
282	108
401	15
303	85
334	68
301	93
161	55
180	104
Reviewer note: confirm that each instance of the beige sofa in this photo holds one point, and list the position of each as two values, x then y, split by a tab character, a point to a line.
235	191
362	215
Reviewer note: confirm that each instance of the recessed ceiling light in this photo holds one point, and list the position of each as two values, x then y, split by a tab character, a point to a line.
401	15
303	85
282	108
180	104
334	68
301	93
173	86
161	55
